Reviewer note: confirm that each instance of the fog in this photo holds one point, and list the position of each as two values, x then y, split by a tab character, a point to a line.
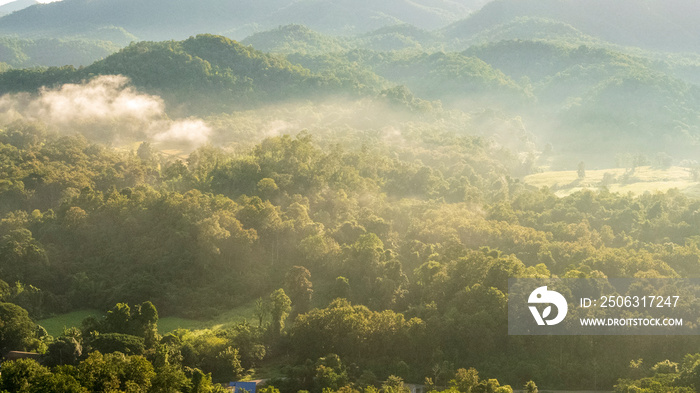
107	109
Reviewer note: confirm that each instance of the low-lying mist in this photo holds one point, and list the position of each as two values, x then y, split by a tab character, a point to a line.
104	109
107	109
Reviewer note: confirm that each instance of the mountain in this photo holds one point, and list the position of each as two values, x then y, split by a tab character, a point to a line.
397	37
295	39
358	16
538	60
450	77
588	93
524	28
565	91
23	53
147	20
668	25
16	6
563	66
458	80
179	19
302	40
203	74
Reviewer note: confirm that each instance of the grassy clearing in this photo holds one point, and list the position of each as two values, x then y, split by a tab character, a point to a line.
229	318
55	325
641	180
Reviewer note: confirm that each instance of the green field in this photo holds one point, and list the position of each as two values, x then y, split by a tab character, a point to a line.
641	180
56	324
232	317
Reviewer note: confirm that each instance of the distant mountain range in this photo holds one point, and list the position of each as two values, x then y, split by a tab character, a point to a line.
178	19
205	73
16	6
669	25
624	71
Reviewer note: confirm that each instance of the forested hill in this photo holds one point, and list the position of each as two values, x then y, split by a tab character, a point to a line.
178	19
296	39
634	102
24	53
359	16
205	73
668	25
16	6
565	89
152	19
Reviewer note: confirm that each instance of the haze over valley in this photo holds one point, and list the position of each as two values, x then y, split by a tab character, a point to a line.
331	195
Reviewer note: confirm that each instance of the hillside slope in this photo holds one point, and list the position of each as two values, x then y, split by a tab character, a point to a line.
23	53
669	25
16	6
203	74
178	19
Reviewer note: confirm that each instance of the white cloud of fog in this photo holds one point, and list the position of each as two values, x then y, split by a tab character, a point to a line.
105	108
276	128
189	132
104	97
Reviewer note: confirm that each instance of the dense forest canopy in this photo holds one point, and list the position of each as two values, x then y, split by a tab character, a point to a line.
338	207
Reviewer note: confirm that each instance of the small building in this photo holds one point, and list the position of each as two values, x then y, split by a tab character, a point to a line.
14	355
243	387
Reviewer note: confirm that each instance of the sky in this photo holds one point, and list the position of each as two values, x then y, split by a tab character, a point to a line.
3	2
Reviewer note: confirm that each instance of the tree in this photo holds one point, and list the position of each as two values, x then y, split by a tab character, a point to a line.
280	305
228	365
64	350
330	373
16	329
394	384
465	380
169	379
145	322
267	188
299	286
23	256
491	386
57	382
24	134
114	372
262	309
500	270
117	342
530	387
20	375
117	319
199	381
341	288
5	291
665	367
141	321
145	151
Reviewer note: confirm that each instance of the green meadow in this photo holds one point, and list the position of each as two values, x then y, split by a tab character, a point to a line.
55	325
638	181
